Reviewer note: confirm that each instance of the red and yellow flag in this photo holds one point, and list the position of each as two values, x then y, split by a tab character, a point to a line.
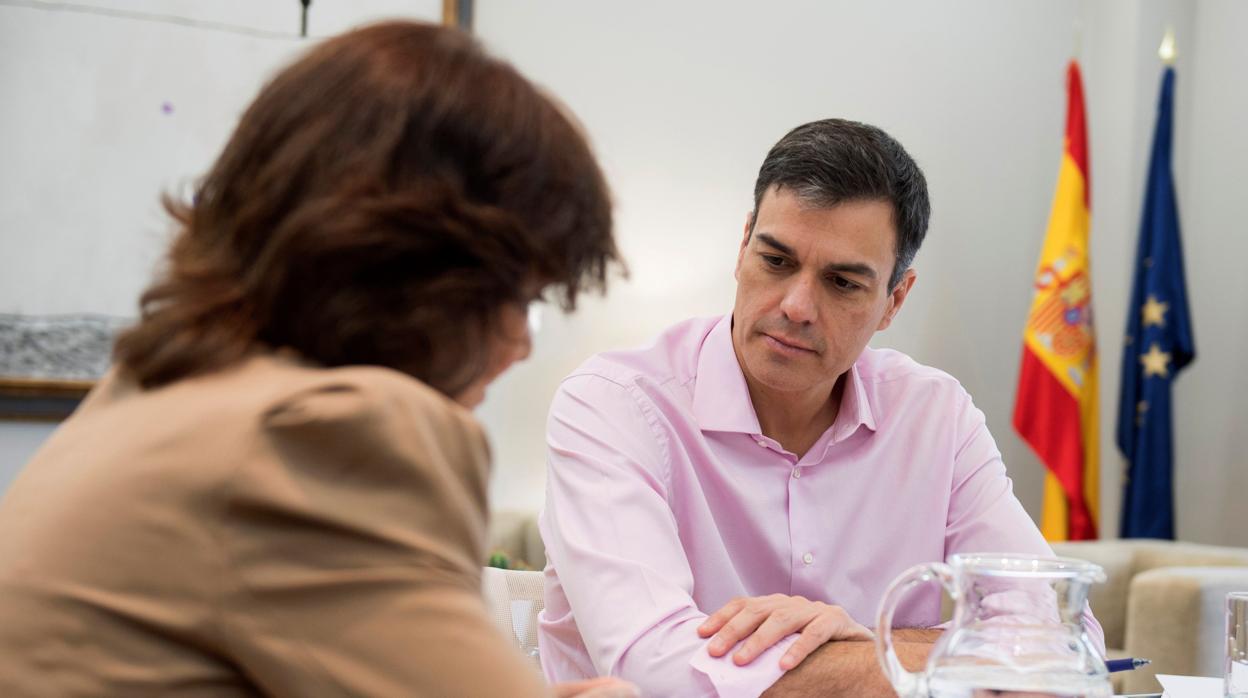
1056	409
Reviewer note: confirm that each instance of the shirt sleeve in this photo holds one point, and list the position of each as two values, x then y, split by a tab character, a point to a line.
613	541
984	514
353	549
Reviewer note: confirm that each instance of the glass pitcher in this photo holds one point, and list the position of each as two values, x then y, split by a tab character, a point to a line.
1017	630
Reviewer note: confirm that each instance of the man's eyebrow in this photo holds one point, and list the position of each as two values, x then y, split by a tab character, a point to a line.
857	268
767	239
850	268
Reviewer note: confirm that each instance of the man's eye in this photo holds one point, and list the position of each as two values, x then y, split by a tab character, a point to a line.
843	283
773	260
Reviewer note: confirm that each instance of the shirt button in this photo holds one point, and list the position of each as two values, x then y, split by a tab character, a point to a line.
808	558
797	472
762	443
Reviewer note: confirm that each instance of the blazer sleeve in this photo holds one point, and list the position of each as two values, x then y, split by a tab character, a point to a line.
353	546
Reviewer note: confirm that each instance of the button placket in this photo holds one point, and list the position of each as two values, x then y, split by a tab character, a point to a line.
799	502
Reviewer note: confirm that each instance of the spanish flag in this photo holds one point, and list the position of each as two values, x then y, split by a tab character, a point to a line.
1056	408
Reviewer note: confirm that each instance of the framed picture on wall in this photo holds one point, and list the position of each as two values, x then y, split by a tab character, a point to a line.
49	363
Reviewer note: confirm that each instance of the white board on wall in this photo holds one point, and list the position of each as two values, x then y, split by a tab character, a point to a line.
108	104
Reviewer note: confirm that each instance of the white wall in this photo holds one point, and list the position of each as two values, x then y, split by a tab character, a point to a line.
1213	400
104	112
682	101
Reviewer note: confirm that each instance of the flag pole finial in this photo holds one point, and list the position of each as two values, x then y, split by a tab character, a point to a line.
1167	51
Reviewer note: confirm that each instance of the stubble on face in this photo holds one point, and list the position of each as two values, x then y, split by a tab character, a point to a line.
812	290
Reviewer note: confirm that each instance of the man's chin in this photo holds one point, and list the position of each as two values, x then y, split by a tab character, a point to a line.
779	375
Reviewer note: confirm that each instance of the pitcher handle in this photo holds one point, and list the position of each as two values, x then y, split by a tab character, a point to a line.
908	684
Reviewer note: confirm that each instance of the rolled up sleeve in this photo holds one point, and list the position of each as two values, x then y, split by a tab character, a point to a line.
618	577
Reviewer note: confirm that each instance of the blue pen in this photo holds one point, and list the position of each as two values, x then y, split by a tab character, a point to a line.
1126	664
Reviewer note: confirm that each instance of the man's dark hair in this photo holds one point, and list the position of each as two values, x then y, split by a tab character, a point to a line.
832	161
381	202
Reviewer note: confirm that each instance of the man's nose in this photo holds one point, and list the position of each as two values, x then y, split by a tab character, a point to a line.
798	304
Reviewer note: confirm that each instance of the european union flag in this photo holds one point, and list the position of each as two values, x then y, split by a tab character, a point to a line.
1159	344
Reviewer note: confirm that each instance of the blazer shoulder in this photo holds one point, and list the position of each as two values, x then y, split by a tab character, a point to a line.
374	405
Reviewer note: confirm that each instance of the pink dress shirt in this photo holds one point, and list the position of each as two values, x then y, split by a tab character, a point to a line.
664	502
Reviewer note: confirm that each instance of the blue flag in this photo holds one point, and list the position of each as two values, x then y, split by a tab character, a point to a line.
1159	344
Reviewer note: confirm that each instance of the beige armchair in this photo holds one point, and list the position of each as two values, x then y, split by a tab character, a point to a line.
1164	601
514	597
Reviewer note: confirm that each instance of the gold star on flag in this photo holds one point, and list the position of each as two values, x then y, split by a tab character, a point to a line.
1154	312
1155	362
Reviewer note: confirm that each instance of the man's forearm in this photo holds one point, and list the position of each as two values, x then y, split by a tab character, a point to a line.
851	668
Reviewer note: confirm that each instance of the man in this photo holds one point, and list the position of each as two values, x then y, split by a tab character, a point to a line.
731	502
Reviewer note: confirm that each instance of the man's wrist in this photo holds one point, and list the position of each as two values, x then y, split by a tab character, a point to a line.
850	668
928	635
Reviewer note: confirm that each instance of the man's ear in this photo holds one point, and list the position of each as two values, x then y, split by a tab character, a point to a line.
745	242
896	298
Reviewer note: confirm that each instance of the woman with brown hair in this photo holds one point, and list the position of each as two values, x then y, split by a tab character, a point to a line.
279	490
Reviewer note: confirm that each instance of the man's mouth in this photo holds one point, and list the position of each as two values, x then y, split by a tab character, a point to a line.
785	344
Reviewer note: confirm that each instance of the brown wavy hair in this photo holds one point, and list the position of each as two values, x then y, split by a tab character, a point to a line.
379	203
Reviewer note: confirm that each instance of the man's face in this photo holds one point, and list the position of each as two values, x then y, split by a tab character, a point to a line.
812	287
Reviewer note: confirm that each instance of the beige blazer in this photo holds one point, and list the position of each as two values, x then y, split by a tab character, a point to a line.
273	529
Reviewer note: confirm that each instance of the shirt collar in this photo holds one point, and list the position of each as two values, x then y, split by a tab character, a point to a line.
855	405
721	398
